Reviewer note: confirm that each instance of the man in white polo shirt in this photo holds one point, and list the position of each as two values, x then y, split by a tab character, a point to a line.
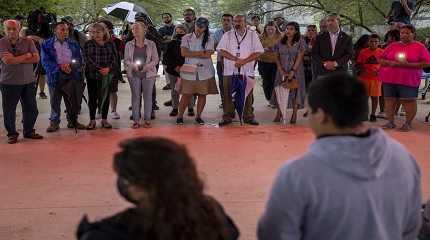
240	47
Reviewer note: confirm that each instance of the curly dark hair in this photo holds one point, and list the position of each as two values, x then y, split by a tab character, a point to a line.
179	207
297	35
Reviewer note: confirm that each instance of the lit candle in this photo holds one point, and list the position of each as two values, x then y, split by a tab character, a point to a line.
138	62
401	57
73	61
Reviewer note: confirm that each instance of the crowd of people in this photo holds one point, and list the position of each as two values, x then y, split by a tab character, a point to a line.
345	187
287	61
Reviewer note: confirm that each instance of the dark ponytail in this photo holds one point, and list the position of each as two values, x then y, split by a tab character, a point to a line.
205	38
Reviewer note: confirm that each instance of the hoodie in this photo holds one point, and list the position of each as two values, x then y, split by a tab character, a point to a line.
346	187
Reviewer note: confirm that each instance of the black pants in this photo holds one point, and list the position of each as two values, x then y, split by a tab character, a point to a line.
220	72
11	95
268	73
94	99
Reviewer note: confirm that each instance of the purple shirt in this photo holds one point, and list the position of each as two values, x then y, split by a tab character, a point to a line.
64	54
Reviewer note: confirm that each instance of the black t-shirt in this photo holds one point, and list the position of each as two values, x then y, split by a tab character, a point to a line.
399	13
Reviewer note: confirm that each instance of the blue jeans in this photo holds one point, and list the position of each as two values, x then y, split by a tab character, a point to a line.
26	94
141	87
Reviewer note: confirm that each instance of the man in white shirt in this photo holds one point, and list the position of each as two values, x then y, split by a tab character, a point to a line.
240	47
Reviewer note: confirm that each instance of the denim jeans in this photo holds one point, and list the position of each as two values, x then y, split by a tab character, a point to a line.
26	94
141	87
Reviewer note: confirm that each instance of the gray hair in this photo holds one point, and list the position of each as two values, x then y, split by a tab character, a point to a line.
335	15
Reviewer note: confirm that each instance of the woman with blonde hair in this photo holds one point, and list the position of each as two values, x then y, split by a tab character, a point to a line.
140	59
267	61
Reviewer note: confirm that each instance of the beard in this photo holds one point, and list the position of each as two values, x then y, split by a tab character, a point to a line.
168	22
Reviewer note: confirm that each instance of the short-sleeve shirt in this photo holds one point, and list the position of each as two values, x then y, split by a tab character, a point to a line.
205	68
415	52
249	44
17	74
217	38
369	61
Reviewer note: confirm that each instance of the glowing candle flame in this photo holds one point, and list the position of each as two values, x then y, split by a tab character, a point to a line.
73	61
401	57
138	62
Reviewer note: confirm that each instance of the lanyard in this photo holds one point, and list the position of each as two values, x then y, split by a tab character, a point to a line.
239	42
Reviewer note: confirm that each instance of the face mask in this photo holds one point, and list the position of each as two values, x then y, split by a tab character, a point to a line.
179	36
122	187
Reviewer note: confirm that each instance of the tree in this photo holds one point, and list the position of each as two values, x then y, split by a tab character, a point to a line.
361	13
22	7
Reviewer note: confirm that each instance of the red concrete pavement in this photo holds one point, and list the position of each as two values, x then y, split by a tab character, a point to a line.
46	186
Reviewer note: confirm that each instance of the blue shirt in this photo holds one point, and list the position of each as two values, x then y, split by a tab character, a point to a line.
217	38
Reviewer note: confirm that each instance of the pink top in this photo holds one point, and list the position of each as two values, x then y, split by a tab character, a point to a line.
415	52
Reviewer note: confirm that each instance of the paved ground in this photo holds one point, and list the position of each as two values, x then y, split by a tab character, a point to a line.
48	185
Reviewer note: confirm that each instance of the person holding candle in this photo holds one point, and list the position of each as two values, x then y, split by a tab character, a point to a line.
402	63
62	60
100	58
141	58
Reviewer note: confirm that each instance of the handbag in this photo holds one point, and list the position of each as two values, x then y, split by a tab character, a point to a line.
291	83
188	68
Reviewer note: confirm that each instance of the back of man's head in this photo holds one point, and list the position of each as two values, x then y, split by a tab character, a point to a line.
342	98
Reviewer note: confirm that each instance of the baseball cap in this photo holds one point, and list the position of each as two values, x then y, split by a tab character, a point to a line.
202	22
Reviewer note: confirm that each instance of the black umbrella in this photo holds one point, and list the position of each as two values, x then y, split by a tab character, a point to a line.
125	11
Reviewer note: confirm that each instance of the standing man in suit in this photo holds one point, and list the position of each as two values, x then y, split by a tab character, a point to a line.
332	49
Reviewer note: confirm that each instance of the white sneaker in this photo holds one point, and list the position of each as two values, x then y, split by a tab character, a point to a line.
114	115
98	116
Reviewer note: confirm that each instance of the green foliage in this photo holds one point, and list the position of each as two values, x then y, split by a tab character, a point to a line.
423	33
9	9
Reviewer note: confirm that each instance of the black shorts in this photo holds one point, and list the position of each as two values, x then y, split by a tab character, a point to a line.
399	91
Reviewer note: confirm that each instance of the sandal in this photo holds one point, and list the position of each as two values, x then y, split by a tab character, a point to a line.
135	125
106	125
91	125
147	124
405	128
389	125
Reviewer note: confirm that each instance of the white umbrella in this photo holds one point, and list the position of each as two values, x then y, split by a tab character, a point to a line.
125	11
282	95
